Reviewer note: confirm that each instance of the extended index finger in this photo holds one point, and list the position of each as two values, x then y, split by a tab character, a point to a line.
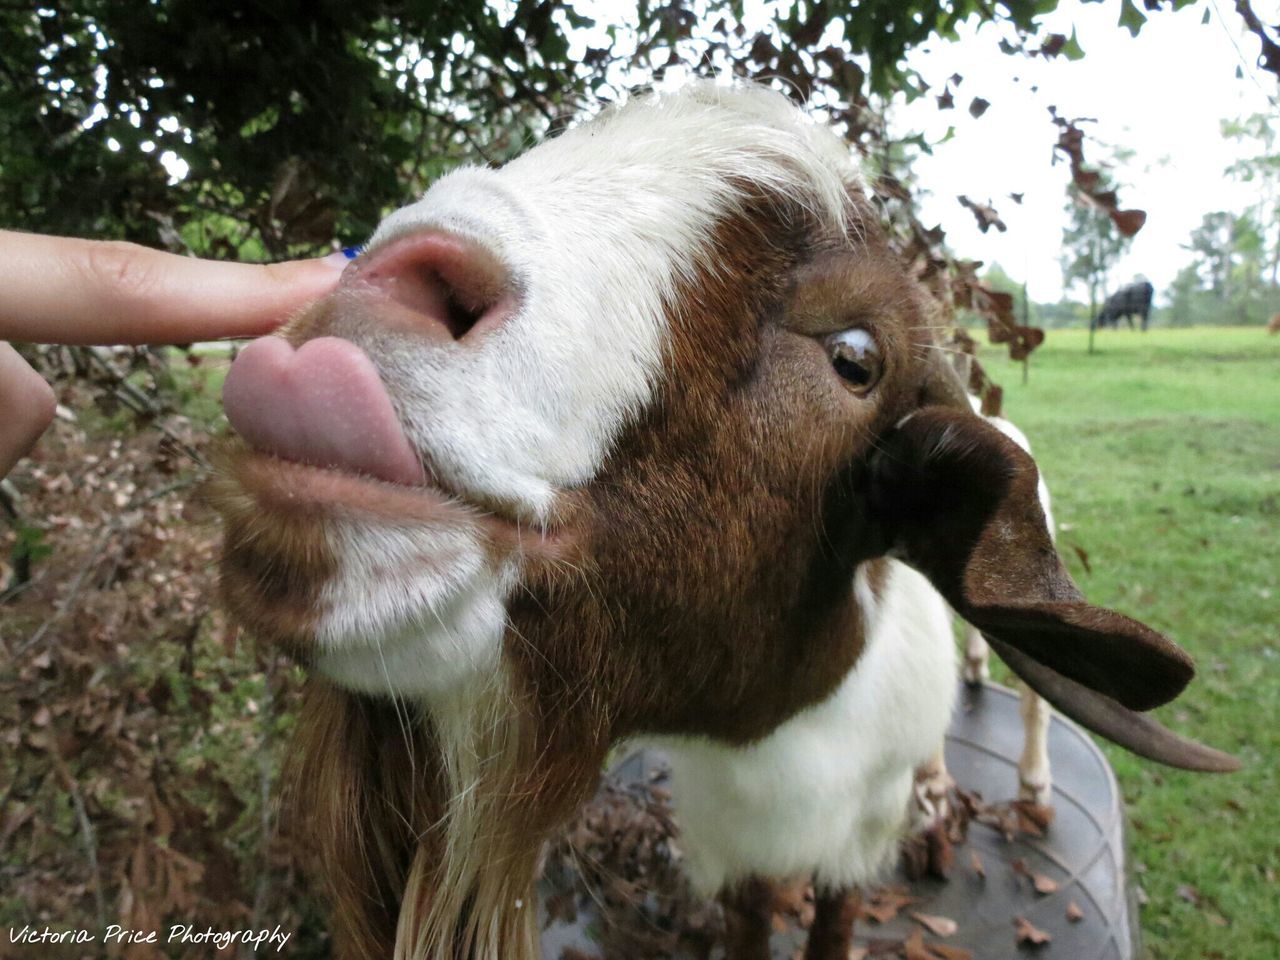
66	290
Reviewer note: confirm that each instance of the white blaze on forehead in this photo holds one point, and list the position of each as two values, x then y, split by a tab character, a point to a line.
598	226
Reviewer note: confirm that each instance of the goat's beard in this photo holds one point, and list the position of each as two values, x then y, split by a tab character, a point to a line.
428	824
425	804
402	816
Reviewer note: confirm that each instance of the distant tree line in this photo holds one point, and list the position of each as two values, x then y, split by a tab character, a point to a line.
1233	274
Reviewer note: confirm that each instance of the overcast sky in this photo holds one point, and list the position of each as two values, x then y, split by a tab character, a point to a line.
1161	94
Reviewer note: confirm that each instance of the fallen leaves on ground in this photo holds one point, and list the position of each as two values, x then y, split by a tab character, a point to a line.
915	948
939	926
137	749
1026	932
620	858
1043	885
885	904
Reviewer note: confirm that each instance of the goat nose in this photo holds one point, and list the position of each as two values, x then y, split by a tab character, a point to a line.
448	287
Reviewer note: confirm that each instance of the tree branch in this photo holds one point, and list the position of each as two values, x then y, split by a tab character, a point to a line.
1269	58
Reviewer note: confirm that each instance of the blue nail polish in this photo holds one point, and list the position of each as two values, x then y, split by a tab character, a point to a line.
352	252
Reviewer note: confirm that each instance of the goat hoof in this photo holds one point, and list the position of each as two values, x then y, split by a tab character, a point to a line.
975	671
1039	792
929	807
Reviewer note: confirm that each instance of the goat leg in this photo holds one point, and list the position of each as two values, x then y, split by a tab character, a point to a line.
831	935
748	919
1035	781
976	654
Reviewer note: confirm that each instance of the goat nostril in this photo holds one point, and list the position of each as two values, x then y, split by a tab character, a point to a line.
426	291
460	318
448	285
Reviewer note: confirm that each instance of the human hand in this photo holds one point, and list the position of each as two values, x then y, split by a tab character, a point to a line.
65	290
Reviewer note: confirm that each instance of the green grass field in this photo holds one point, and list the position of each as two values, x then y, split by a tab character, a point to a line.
1162	452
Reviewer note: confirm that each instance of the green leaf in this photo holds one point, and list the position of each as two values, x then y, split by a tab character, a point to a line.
30	543
1072	49
1131	17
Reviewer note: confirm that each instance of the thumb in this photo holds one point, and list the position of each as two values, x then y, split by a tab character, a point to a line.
28	403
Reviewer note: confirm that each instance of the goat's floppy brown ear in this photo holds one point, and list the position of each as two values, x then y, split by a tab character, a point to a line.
942	385
957	500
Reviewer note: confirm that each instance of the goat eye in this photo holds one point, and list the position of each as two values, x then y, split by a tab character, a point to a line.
856	358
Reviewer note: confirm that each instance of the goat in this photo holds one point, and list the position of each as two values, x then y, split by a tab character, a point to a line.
1133	300
613	442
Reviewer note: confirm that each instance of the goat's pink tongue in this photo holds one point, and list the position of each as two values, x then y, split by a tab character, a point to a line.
322	404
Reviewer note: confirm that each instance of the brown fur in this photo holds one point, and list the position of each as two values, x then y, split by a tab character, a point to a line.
352	792
1273	326
831	936
271	574
748	919
995	562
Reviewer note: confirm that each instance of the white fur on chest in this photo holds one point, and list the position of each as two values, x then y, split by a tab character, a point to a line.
827	792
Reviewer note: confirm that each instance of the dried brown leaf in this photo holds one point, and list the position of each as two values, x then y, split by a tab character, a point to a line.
1129	222
975	864
913	947
1044	885
1027	933
1019	817
1084	557
1053	44
985	214
939	926
884	905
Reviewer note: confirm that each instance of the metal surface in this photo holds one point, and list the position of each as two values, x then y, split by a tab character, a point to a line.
1083	852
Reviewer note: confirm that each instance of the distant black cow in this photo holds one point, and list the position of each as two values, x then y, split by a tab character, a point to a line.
1128	302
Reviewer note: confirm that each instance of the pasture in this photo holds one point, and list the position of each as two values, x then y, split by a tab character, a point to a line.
1162	452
